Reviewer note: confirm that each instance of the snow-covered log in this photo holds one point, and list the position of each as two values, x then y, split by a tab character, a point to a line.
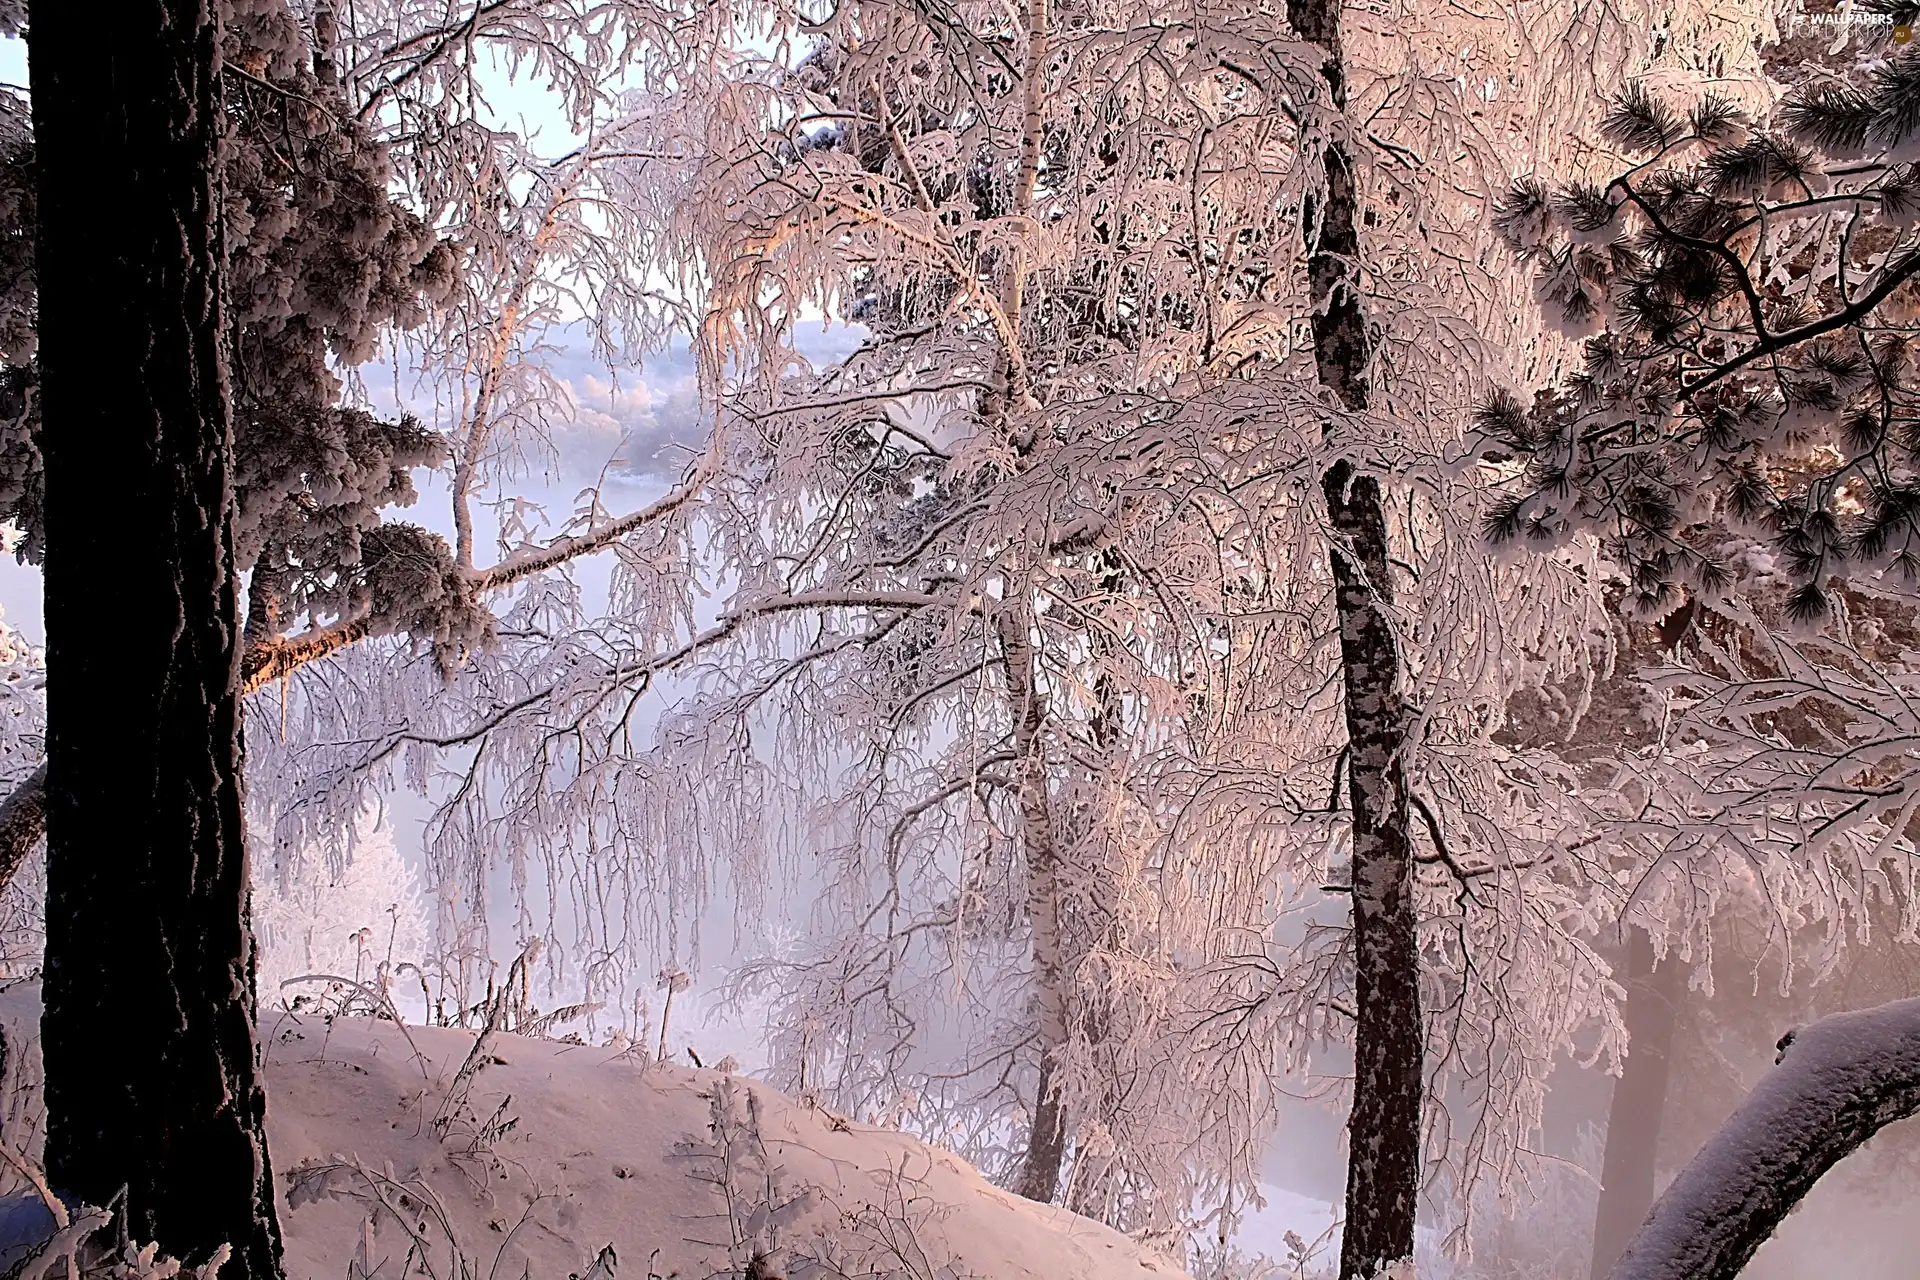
1838	1083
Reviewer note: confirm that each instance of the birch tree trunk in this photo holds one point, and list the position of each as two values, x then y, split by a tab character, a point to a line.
1090	1192
153	1090
1383	1131
1639	1102
1039	1175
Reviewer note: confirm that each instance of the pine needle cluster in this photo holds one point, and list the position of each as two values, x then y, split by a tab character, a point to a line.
1743	294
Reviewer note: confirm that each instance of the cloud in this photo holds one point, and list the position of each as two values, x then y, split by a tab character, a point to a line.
631	423
636	426
648	420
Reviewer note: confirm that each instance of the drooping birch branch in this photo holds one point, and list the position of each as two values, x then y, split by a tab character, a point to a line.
23	814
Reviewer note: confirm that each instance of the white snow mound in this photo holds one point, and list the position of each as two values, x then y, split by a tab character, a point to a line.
529	1157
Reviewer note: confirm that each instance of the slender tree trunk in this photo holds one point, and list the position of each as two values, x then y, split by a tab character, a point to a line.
1639	1101
1383	1131
1090	1193
1061	939
1039	1175
154	1098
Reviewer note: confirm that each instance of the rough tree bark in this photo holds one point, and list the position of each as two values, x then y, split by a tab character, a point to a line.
1383	1131
1639	1101
23	814
153	1091
1838	1082
23	820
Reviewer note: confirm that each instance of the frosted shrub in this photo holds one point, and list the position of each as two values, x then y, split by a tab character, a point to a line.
343	916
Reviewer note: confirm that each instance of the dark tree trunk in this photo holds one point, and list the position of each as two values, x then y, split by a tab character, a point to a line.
154	1099
1039	1174
1639	1101
23	820
1383	1132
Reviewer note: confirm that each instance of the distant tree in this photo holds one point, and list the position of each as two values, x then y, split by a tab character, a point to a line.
358	917
1655	986
23	746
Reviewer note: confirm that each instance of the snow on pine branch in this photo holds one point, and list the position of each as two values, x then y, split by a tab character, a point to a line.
1743	290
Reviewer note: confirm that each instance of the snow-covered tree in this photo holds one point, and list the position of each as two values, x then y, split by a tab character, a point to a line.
373	198
1740	427
1041	575
360	918
1045	575
295	248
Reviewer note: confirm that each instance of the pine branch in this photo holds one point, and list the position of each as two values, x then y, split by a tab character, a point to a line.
269	660
1640	121
1892	278
275	659
1718	248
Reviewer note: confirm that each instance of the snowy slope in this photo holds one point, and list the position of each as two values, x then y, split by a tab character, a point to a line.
529	1156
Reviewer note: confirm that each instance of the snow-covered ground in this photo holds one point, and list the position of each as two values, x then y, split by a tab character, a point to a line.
1315	1247
532	1156
1310	1221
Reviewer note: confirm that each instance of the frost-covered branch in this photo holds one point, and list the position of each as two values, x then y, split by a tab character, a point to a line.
570	547
269	659
1837	1083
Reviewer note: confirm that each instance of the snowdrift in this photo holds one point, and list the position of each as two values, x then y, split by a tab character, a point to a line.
507	1157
